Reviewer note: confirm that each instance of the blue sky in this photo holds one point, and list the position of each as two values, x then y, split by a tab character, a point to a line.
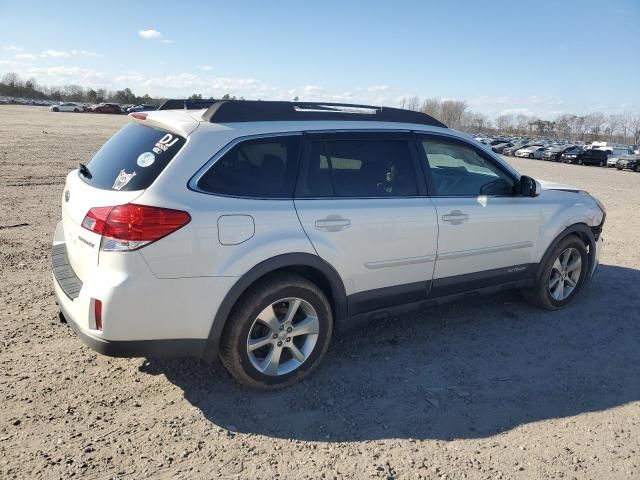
534	57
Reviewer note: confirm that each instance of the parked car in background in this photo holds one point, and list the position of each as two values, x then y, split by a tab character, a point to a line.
511	151
147	107
554	154
106	108
593	156
629	162
534	151
66	107
499	148
618	153
571	154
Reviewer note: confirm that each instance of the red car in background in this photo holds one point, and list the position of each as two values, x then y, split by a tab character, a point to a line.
106	108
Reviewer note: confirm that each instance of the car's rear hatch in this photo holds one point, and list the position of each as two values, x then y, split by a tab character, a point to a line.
119	173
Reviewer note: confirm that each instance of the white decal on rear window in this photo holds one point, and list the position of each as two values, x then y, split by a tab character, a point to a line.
122	179
146	159
164	143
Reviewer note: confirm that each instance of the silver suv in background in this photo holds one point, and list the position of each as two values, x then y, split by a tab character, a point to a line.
252	231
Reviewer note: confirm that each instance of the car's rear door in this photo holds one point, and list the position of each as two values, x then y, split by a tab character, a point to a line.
487	231
362	202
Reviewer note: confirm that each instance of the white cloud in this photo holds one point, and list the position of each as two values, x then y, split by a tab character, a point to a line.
25	56
85	53
12	48
166	40
149	34
54	53
378	88
205	67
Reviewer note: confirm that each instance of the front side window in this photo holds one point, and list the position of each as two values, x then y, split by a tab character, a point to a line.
358	168
458	170
261	168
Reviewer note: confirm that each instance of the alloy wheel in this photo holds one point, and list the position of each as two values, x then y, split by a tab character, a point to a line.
565	274
283	336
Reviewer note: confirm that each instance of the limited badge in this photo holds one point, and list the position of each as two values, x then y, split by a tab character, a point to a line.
122	179
146	159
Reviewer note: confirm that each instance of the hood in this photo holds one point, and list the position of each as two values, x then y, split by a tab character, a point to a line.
558	186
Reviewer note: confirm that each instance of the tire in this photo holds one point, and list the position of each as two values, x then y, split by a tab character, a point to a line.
55	109
619	168
601	164
531	155
580	162
546	292
75	110
282	290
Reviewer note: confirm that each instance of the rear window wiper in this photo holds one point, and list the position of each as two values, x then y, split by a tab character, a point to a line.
84	171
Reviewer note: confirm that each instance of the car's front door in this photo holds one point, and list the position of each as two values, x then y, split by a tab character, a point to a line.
362	202
487	231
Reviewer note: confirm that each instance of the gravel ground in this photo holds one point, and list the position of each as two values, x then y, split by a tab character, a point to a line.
489	388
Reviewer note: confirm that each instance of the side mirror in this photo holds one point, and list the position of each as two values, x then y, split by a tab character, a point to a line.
529	187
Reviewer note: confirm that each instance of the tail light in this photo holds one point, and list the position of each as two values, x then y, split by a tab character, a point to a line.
129	227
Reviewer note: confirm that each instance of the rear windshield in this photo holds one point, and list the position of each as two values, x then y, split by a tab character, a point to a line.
133	158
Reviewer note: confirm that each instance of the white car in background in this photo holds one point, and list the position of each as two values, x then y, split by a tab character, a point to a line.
66	107
534	151
253	230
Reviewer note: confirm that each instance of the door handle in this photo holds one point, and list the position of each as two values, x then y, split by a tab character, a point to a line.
455	217
333	223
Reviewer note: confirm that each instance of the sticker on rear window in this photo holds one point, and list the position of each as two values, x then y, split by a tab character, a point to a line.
146	159
122	179
165	142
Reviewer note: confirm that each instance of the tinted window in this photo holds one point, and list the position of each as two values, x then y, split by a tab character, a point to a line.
359	168
459	170
133	158
262	167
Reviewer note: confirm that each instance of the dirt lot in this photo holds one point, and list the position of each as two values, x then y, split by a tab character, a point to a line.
490	388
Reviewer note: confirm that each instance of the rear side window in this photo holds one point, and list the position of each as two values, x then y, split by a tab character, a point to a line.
260	168
133	158
358	168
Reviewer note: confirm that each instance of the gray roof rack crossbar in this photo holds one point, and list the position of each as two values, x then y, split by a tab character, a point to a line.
229	111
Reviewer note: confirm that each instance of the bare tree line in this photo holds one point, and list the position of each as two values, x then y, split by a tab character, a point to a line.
622	128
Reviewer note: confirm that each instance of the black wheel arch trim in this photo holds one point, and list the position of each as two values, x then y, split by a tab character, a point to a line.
279	262
581	228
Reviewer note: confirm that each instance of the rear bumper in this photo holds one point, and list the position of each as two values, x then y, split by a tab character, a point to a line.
143	316
135	348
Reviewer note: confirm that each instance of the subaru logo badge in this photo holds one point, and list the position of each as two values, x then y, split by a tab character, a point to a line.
67	195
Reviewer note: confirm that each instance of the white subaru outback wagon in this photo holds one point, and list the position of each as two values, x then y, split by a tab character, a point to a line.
253	230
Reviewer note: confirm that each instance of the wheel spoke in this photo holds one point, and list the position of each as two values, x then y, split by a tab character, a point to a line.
571	282
309	325
557	266
565	258
269	318
554	281
256	343
296	353
577	263
269	366
293	308
560	290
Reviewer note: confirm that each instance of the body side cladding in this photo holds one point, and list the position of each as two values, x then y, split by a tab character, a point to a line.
289	260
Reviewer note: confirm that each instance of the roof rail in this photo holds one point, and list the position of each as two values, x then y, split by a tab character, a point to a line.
227	111
187	104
